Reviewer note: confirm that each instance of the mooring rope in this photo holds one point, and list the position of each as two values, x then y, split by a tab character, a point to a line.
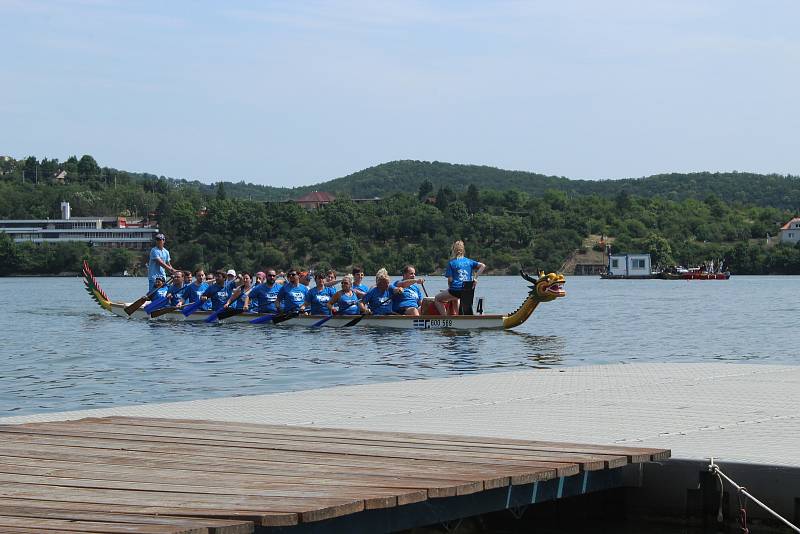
742	491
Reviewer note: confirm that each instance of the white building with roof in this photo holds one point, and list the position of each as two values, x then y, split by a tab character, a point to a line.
790	232
113	232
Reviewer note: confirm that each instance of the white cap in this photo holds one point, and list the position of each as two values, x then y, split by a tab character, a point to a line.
231	272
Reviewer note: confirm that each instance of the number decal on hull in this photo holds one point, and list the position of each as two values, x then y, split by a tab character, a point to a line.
433	323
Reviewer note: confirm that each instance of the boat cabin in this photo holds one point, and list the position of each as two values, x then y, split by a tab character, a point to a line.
629	265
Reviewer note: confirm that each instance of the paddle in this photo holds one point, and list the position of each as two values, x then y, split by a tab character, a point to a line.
359	317
263	318
281	317
191	308
332	315
156	304
161	311
223	313
136	304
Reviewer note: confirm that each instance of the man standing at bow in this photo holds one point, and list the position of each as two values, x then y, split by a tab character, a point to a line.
158	262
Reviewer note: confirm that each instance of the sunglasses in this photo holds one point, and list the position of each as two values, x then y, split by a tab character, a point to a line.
271	276
292	274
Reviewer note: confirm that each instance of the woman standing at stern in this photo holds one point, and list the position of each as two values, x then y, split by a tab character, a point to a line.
460	280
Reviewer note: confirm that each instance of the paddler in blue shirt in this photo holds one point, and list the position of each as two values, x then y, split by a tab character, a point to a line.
176	290
378	300
159	262
358	282
292	295
318	296
196	289
265	295
407	294
345	299
217	293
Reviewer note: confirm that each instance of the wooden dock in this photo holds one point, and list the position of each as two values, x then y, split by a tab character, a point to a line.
127	474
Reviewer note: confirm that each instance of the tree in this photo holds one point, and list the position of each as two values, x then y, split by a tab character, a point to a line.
660	251
425	189
472	199
88	169
221	191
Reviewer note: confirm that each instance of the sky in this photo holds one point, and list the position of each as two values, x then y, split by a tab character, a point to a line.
298	92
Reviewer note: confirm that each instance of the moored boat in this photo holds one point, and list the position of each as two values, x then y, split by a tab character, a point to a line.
545	288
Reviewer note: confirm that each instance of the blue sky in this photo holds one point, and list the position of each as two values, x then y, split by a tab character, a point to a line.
293	93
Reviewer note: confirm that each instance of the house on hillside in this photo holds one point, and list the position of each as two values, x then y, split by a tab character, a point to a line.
790	232
314	200
59	177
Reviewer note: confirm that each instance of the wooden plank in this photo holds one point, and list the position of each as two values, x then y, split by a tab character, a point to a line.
509	460
588	462
530	472
64	525
635	454
213	526
273	519
308	509
183	474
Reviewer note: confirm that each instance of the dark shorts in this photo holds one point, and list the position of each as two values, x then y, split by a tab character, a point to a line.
402	309
456	292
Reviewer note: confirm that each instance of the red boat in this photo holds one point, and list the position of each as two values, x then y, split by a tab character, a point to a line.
697	273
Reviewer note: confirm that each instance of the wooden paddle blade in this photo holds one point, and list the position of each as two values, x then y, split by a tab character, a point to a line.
162	311
354	321
228	312
135	305
285	317
323	321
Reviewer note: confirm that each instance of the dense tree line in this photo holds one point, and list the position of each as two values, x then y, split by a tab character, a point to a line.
505	228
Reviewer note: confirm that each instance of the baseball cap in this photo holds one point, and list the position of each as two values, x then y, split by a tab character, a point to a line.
159	237
231	272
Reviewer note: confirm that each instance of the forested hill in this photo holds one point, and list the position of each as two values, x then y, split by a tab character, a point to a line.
770	190
748	188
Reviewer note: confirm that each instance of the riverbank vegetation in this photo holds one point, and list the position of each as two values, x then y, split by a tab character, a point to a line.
509	220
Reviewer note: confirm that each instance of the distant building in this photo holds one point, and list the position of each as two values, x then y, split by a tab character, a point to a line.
113	232
60	177
629	265
314	200
790	232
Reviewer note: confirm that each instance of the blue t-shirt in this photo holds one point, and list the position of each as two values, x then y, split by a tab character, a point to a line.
348	304
162	292
177	294
318	300
411	297
238	304
193	292
379	302
217	295
264	297
292	297
361	287
153	267
460	270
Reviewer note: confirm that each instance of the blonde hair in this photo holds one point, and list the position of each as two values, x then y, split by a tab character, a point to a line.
382	274
348	278
458	249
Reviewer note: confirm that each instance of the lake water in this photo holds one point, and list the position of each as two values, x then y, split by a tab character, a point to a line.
60	351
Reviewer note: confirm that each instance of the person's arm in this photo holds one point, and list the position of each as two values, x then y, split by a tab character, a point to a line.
246	301
481	267
332	283
334	300
410	282
234	296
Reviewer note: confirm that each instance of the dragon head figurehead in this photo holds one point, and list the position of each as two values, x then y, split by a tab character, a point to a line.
547	287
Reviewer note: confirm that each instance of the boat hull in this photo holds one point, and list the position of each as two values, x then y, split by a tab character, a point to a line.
695	276
422	322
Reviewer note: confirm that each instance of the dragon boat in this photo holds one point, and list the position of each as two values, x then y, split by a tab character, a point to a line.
544	288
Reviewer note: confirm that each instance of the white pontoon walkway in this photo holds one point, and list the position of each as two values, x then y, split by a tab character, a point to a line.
737	412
